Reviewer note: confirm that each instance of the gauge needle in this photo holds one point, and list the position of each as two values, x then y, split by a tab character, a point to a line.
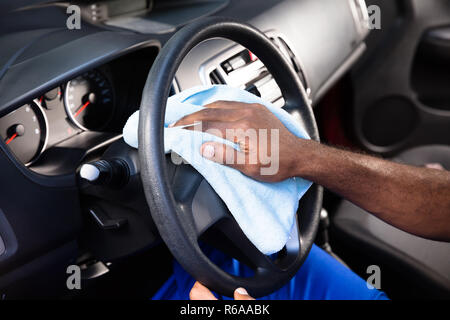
12	138
18	129
82	108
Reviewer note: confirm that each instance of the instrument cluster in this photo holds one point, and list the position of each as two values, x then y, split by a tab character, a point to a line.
85	103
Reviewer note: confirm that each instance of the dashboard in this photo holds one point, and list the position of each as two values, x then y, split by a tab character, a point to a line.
90	102
25	131
65	95
81	114
82	104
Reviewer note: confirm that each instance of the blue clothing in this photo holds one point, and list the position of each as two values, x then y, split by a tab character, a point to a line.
321	277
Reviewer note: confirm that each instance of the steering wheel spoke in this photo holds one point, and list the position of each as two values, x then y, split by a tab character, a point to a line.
213	222
196	199
207	209
229	238
185	183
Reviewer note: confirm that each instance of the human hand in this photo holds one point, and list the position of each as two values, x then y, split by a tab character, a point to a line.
200	292
269	151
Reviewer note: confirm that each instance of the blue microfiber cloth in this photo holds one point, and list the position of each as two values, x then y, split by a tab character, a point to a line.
264	211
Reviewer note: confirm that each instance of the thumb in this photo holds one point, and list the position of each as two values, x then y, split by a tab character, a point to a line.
242	294
221	153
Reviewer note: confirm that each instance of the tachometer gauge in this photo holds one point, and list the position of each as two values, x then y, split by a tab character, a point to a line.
25	131
51	99
89	101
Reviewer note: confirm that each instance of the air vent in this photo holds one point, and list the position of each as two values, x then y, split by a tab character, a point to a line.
215	78
240	68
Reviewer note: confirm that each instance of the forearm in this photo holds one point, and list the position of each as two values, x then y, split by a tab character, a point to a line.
416	200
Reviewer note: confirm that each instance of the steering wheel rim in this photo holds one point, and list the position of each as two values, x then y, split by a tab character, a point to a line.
178	230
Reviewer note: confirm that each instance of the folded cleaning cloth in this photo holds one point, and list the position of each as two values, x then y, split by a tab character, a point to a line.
264	211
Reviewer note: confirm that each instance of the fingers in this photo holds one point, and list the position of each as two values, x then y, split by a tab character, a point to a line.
215	128
221	129
222	104
242	294
218	128
223	154
223	115
231	131
218	111
200	292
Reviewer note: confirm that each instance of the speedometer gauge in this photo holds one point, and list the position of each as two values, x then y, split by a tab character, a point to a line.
89	101
25	132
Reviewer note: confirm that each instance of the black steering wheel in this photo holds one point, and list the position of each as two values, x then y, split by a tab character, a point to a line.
183	205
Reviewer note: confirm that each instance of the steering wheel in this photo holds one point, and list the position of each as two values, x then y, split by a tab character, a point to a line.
183	206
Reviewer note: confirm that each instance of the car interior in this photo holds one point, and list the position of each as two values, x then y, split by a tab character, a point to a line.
372	76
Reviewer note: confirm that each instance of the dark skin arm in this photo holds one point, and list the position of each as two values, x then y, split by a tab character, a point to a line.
416	200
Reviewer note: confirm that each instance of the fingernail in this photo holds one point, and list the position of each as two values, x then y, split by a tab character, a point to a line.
242	291
208	151
171	125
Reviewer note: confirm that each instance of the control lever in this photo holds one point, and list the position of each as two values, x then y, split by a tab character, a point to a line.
112	172
104	221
